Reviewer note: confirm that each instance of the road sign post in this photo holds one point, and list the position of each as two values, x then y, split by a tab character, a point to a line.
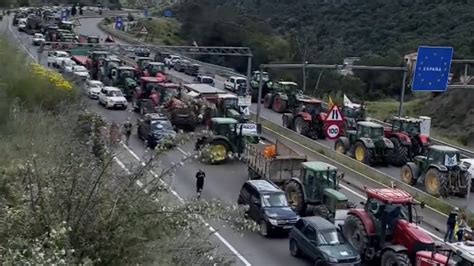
433	65
334	123
118	23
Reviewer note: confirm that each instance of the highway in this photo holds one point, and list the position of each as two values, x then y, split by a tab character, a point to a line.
223	181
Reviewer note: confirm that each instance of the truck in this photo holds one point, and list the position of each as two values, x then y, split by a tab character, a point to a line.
311	187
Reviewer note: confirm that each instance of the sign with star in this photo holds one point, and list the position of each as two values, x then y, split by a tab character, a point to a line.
433	65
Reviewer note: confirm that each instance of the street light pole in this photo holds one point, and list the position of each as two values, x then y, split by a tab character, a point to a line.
402	94
259	98
304	75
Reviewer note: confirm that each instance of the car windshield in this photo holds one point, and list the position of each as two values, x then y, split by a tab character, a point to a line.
240	81
127	73
114	93
330	237
207	80
158	125
62	55
275	200
376	132
157	68
80	69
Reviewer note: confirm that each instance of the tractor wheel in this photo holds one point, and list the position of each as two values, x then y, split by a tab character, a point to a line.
219	150
295	196
392	258
267	101
301	126
407	175
362	154
398	156
436	183
279	105
286	121
354	231
322	210
465	180
340	147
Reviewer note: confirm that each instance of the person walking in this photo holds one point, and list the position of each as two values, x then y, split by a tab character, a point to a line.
200	175
451	224
128	130
462	225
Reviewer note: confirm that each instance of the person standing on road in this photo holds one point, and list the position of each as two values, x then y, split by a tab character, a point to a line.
451	224
200	175
128	130
462	225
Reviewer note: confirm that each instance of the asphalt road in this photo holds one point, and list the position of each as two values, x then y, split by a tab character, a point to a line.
223	181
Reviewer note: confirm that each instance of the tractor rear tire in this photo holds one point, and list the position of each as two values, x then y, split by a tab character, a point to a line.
301	126
267	101
286	120
398	156
221	155
294	194
436	183
407	175
362	154
278	105
354	231
465	179
390	257
340	147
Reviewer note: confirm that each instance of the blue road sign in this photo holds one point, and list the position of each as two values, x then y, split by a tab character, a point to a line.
145	12
433	65
64	15
168	13
118	23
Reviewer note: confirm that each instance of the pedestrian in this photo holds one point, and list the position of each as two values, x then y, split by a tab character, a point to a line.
114	133
128	130
462	225
200	175
451	224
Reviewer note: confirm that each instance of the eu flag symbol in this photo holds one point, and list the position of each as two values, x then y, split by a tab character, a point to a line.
433	65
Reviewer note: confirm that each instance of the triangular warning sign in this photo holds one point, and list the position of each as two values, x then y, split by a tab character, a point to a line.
334	114
144	30
77	23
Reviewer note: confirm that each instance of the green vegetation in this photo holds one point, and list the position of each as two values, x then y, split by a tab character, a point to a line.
163	31
65	201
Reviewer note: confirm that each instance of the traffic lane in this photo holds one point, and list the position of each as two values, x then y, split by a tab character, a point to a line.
89	27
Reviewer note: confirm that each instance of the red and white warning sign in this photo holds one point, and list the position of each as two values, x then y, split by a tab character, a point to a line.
334	123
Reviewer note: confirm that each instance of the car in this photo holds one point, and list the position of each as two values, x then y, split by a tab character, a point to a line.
192	69
171	59
155	129
81	72
22	24
233	83
55	58
93	88
205	80
38	39
66	66
322	242
112	97
266	204
181	65
469	164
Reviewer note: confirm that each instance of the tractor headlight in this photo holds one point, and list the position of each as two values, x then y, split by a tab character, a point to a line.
273	221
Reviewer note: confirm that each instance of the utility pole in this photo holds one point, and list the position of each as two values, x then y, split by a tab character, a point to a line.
304	75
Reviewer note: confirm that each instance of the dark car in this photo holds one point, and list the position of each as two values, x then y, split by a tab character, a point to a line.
267	205
205	80
181	65
155	129
192	69
321	241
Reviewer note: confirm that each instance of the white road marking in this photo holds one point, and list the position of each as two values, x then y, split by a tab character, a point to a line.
209	227
182	151
19	41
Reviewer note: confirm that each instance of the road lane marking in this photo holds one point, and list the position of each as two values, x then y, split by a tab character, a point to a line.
18	39
209	227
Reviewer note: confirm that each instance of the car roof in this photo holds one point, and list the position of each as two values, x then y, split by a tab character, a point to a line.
126	68
237	77
156	116
224	120
443	148
156	63
288	83
319	166
203	88
370	124
110	88
93	81
206	77
264	186
319	223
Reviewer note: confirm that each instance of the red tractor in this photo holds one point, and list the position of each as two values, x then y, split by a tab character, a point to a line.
408	138
152	93
307	118
385	229
154	69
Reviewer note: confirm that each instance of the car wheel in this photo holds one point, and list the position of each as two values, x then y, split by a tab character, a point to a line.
263	228
294	249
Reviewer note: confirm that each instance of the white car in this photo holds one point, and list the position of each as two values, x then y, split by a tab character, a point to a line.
55	58
67	65
38	38
171	59
21	24
469	164
233	83
93	88
112	97
80	72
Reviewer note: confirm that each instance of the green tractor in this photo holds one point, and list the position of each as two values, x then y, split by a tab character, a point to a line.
105	70
267	84
227	137
315	191
441	171
123	77
283	96
367	143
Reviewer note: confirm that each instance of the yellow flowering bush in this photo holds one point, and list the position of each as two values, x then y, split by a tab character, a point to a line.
56	79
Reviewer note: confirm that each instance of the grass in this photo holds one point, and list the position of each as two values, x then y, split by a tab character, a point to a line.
164	31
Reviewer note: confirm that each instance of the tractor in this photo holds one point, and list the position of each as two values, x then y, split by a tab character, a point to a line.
254	83
154	69
385	232
353	113
367	143
142	62
227	105
440	170
283	96
93	62
109	63
307	119
152	93
123	78
227	137
182	113
408	139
